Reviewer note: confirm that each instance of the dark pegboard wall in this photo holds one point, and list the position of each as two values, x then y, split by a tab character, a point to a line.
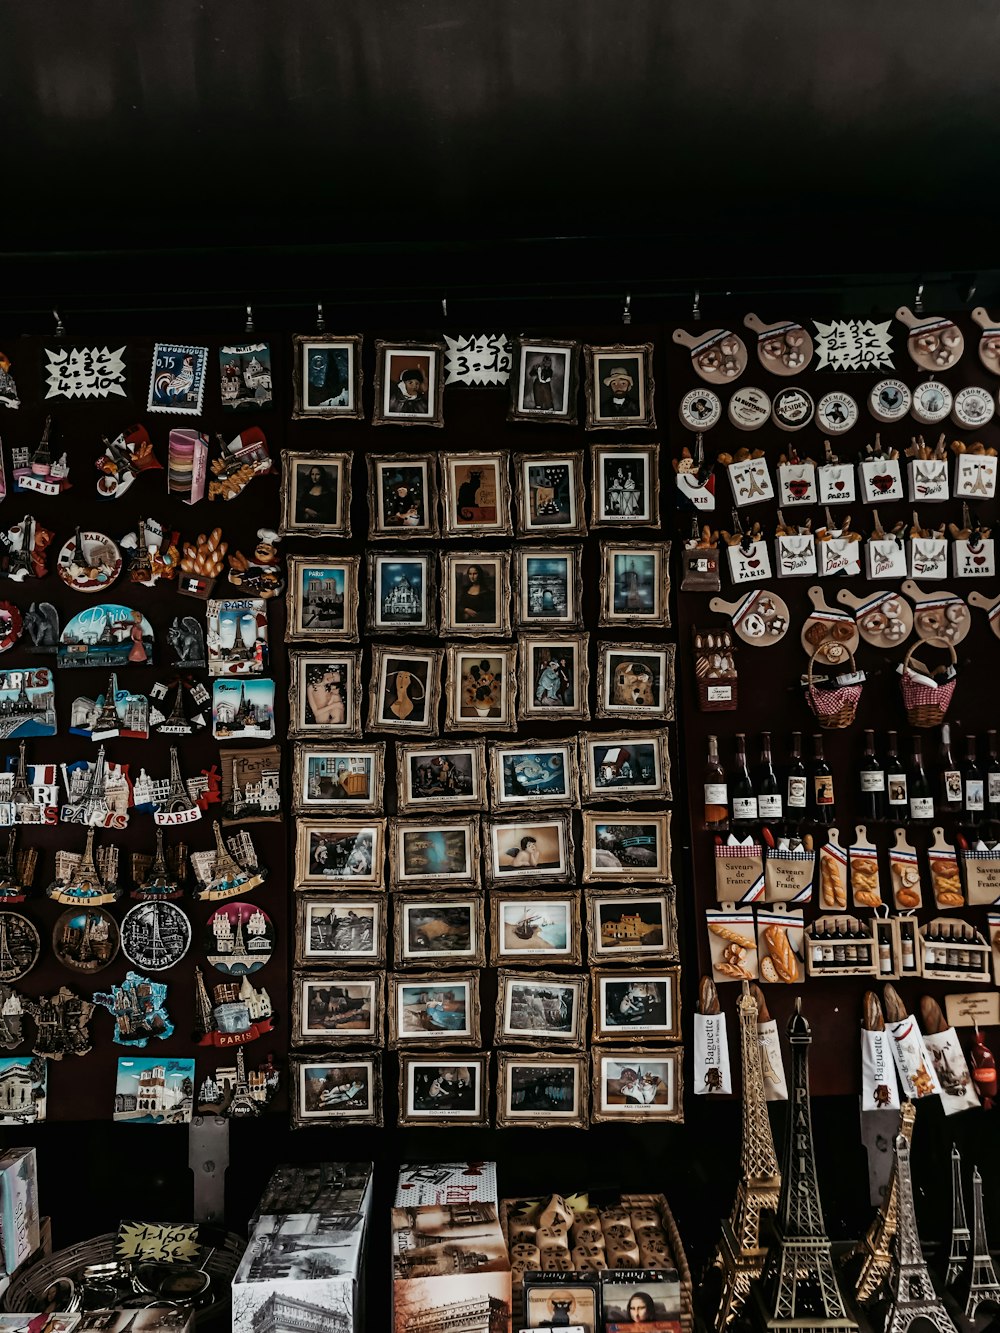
770	697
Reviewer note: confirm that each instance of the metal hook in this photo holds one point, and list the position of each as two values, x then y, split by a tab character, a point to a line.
60	329
248	326
444	307
320	321
918	300
627	312
696	307
970	294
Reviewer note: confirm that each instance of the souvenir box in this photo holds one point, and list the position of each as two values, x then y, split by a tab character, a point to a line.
511	1208
449	1269
322	1187
153	1320
19	1220
301	1270
422	1183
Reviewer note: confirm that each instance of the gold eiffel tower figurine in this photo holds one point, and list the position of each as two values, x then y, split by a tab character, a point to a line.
741	1253
911	1292
876	1244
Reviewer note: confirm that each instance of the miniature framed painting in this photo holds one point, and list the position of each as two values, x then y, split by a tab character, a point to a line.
615	765
578	1299
553	676
635	584
536	929
636	1006
549	586
315	494
541	1089
438	930
634	925
324	693
619	386
428	1007
475	593
326	375
332	930
405	689
635	680
331	852
636	1085
401	592
529	850
535	1008
336	779
482	687
624	485
409	384
450	776
402	496
444	1090
550	495
322	599
475	495
526	773
620	845
336	1089
434	851
544	380
331	1010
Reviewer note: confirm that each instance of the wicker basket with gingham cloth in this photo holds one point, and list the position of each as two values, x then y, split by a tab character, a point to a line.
926	705
834	709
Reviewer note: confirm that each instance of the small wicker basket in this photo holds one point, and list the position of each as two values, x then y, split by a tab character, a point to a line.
833	709
926	705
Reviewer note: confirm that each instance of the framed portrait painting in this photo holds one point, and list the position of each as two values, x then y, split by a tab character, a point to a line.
637	1084
553	676
330	853
635	681
450	776
544	380
624	485
534	849
428	1007
326	375
336	1089
315	494
550	495
475	495
401	592
619	386
402	496
322	599
636	1005
338	1010
542	1089
444	1089
325	693
331	779
635	584
475	593
409	384
541	1008
405	689
338	930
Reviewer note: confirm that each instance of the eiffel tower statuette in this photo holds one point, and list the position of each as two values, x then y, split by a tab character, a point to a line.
979	1279
961	1241
741	1252
912	1293
798	1288
876	1244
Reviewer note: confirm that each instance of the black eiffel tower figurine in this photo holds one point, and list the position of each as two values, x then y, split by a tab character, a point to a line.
958	1252
798	1288
979	1280
912	1293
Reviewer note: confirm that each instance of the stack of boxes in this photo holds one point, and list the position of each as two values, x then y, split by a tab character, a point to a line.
24	1237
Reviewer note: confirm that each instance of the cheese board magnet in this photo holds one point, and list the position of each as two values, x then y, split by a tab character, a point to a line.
760	618
935	343
749	408
991	605
940	618
785	348
719	356
884	619
889	400
829	634
932	402
836	413
973	407
989	339
792	408
700	409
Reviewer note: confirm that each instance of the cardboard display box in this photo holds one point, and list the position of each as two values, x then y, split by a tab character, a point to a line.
450	1269
422	1183
19	1221
301	1270
320	1187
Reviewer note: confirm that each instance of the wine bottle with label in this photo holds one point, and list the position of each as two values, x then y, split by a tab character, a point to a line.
921	794
823	799
872	781
992	777
745	812
973	792
796	782
896	781
716	791
769	802
950	782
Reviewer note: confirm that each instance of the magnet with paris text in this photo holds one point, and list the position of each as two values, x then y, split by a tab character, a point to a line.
61	1023
85	939
927	471
837	413
30	792
879	476
889	400
749	408
86	879
89	562
169	797
989	340
792	408
973	549
975	471
794	550
188	711
838	549
155	935
695	478
24	550
885	552
245	376
760	618
927	551
40	473
122	460
115	713
835	480
784	348
940	618
250	784
20	946
749	477
229	870
8	387
700	410
796	480
17	869
718	356
235	1013
139	1007
98	793
701	560
239	939
934	343
160	876
244	1098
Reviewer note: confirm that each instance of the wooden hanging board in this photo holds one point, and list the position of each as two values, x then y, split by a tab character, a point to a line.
906	889
884	619
940	617
785	348
866	877
829	634
989	339
991	605
933	343
718	356
832	860
760	618
946	876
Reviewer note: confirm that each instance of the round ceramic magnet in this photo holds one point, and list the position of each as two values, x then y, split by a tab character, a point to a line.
760	618
973	407
836	413
889	400
884	619
989	339
85	939
701	409
89	562
155	936
11	625
941	617
20	946
931	402
749	408
239	938
784	348
934	344
792	409
718	356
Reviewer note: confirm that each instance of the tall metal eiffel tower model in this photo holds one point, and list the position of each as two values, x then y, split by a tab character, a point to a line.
961	1241
741	1253
876	1244
798	1289
979	1279
912	1293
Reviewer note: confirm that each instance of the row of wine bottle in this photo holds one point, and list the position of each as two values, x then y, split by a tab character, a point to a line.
888	787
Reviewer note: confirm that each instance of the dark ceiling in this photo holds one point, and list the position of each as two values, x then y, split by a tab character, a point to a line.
678	142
